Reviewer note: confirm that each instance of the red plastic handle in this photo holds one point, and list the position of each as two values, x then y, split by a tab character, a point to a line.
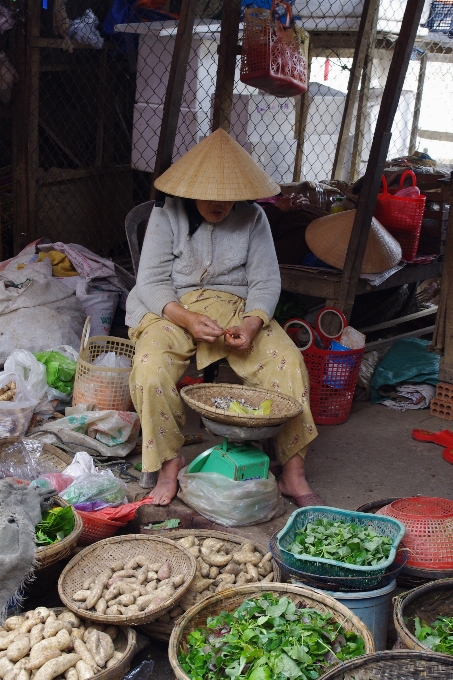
402	178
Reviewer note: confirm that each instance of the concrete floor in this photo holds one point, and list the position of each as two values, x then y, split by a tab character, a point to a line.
371	456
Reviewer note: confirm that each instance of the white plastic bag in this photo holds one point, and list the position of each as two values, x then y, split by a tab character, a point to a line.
84	30
112	360
230	503
21	362
15	415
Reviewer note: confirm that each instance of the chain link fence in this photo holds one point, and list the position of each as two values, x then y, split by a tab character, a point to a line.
83	146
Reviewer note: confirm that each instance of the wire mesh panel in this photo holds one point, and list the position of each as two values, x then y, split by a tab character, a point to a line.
79	134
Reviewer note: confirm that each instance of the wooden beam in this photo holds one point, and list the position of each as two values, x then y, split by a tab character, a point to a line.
418	103
362	104
443	335
302	107
100	123
438	136
399	320
363	40
57	140
227	51
378	155
175	89
389	341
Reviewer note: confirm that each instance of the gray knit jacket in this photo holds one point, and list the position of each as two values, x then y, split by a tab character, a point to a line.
235	256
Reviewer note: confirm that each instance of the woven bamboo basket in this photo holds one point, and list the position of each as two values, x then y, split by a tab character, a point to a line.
199	397
99	556
126	642
48	555
427	602
50	454
161	630
394	665
229	600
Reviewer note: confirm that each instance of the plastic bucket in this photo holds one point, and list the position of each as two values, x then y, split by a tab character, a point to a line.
372	608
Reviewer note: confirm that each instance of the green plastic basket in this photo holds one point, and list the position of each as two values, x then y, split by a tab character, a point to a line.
325	567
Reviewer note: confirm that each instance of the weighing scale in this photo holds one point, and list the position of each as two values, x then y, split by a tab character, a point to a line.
237	456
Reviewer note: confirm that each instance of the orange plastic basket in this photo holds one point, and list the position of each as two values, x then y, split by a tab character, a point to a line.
97	528
274	56
429	530
108	388
402	216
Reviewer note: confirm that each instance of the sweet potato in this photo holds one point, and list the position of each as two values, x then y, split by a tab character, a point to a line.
13	622
199	584
112	631
116	658
84	671
117	566
23	674
154	566
187	541
82	650
100	647
101	605
150	587
81	595
71	674
19	648
88	582
6	640
214	559
70	617
5	666
51	628
56	666
252	570
164	572
97	588
137	561
39	659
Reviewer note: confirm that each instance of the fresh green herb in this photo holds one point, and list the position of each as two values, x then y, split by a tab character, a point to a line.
166	524
56	524
438	636
341	541
268	638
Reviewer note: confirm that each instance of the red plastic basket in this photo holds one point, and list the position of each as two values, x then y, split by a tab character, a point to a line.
333	378
274	56
429	530
97	528
402	216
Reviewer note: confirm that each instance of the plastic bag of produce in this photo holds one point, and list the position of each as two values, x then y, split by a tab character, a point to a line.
99	491
60	371
228	502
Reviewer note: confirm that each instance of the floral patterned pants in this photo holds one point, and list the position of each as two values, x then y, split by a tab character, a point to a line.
162	354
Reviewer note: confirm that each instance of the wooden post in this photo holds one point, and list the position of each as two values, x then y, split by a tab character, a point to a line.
418	103
227	51
361	47
26	127
378	154
444	319
302	107
175	89
362	105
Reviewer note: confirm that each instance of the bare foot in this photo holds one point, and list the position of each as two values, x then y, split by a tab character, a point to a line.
167	483
292	482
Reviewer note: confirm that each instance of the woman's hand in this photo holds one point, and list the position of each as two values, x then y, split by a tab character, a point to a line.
200	326
240	337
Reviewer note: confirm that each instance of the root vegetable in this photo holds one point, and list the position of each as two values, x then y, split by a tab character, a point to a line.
150	587
202	567
232	568
70	617
164	572
36	634
225	578
71	674
268	578
213	572
28	625
112	593
12	675
195	550
113	611
5	666
22	663
215	559
117	566
101	605
267	558
214	544
100	647
224	585
6	640
23	674
112	631
39	659
56	666
253	571
94	626
129	611
144	601
186	542
125	573
88	582
77	634
116	658
137	561
264	569
13	622
97	588
19	648
84	671
81	595
246	557
151	576
82	650
243	578
125	600
51	628
155	566
178	580
200	584
177	611
142	574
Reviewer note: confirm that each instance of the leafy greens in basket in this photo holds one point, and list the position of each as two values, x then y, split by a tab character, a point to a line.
341	541
56	524
438	636
268	638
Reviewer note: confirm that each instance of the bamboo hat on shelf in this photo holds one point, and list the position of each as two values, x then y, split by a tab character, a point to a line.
217	169
328	238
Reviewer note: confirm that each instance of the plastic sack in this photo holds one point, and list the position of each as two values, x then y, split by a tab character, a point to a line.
15	415
101	490
60	371
24	364
230	503
23	460
100	304
112	360
53	480
84	30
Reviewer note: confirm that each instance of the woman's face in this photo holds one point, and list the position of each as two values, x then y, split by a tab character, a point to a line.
214	211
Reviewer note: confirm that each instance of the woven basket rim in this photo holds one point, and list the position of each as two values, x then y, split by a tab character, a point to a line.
138	617
248	591
47	554
84	352
401	601
336	673
50	448
213	413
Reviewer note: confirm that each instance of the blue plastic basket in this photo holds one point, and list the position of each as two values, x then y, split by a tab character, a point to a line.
385	526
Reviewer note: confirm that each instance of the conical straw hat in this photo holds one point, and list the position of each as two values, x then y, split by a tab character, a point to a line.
217	169
328	238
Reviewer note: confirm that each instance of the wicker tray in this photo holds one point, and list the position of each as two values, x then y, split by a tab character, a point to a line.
161	630
199	397
50	554
230	599
428	602
50	454
99	556
394	665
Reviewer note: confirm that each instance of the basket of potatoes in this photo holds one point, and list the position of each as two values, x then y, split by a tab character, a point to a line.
127	580
223	559
48	643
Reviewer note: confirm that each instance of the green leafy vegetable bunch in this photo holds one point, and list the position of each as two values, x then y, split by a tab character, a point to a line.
438	636
268	638
56	524
341	541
